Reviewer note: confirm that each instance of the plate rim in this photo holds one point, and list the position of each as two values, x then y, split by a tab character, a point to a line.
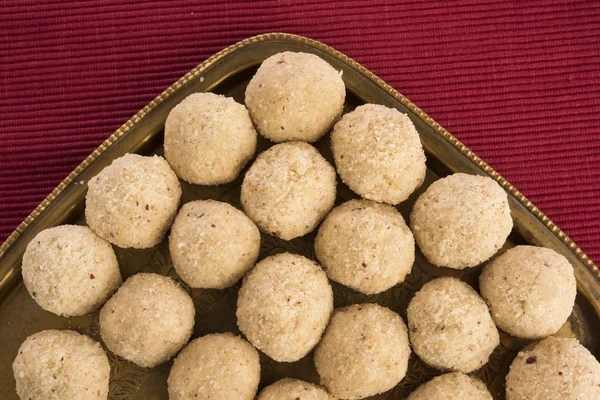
276	36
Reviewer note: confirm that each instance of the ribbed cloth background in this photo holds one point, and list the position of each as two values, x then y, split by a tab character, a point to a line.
517	82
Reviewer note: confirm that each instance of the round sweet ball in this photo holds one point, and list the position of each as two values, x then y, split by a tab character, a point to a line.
378	153
530	291
148	320
295	96
461	220
69	270
555	368
364	351
454	385
218	366
293	389
57	365
213	244
289	189
450	326
133	201
366	246
284	305
209	138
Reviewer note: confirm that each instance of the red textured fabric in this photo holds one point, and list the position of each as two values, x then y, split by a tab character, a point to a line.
517	82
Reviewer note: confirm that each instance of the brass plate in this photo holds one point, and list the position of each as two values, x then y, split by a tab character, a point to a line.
228	72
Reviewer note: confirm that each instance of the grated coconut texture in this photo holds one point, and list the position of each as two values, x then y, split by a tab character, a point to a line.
293	389
295	96
148	320
288	190
69	270
366	246
378	153
284	305
452	386
530	291
555	368
364	351
218	366
209	138
461	220
213	244
60	365
450	326
133	201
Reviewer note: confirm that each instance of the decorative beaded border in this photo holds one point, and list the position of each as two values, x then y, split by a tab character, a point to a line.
196	72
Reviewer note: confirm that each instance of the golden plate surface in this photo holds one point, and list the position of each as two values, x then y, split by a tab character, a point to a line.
228	72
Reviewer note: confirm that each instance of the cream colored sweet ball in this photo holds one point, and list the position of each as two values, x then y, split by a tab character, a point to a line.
209	138
59	365
295	96
289	189
284	306
133	201
293	389
69	270
461	220
366	246
148	320
219	366
530	291
364	351
555	368
450	326
452	386
213	244
378	153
